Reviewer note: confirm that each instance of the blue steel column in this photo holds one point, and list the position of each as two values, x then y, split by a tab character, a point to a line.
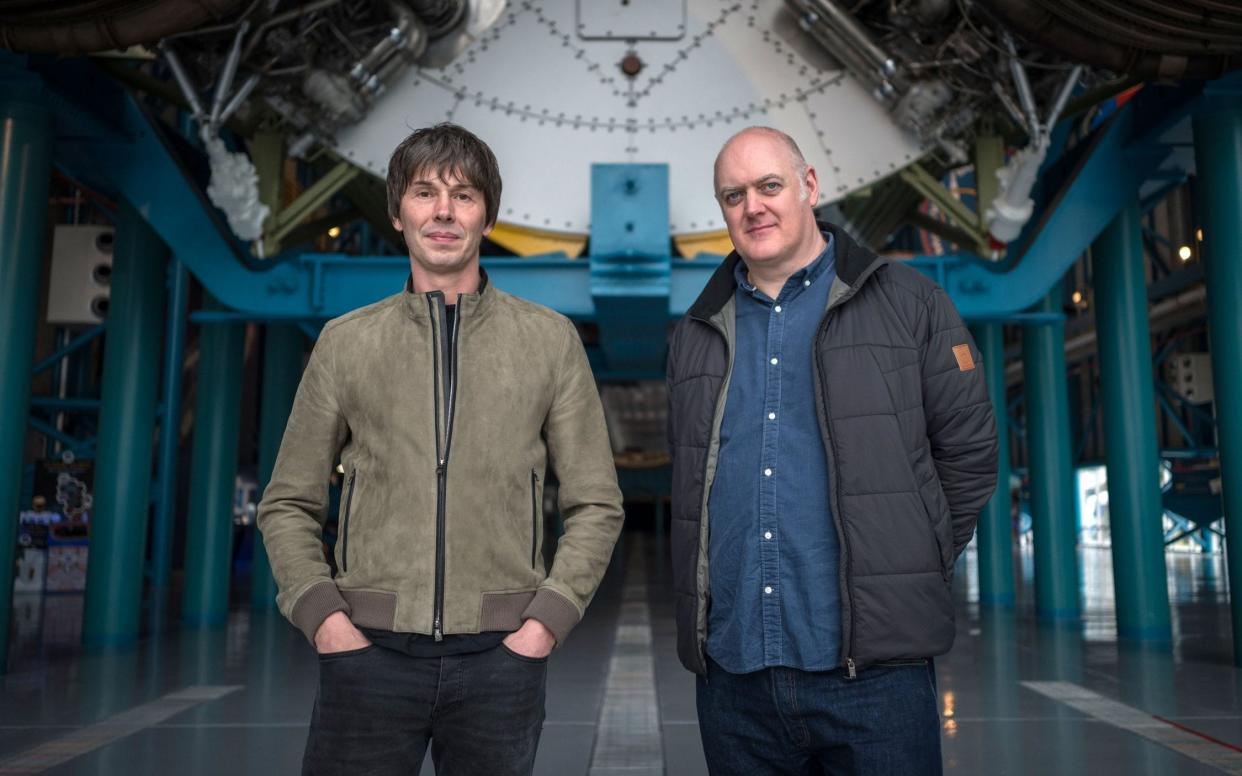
995	524
209	533
1128	403
25	172
1218	158
126	425
282	370
1053	508
170	424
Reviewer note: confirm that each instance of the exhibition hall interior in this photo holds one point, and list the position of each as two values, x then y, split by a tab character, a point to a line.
192	190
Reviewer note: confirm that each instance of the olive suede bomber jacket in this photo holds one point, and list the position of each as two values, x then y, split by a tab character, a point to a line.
441	516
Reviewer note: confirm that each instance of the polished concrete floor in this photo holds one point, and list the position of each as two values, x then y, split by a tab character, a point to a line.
1016	698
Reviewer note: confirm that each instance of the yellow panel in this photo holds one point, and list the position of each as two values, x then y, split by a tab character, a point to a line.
525	241
691	245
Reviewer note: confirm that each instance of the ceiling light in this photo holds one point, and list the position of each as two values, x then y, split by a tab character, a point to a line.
334	231
1199	235
1184	253
1077	297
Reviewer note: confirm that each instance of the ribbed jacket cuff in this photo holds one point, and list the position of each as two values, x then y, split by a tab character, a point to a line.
553	610
319	600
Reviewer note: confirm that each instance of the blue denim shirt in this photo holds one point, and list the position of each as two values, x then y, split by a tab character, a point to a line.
773	548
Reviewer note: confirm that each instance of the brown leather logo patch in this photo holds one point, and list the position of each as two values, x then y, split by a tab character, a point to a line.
965	361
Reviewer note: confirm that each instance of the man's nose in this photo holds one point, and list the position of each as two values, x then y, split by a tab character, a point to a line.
444	208
753	204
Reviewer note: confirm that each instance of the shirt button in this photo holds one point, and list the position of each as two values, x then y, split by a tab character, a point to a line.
771	416
778	308
767	534
774	362
806	282
767	590
767	472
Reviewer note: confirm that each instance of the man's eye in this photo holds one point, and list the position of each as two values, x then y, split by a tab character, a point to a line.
463	197
771	186
423	194
733	198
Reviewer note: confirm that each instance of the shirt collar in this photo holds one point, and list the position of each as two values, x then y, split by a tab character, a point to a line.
810	273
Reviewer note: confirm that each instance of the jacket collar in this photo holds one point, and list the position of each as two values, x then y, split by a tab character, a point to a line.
854	264
467	304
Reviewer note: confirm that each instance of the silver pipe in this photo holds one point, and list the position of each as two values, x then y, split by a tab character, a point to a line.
246	88
1008	103
1063	96
183	81
1025	96
230	72
837	47
849	27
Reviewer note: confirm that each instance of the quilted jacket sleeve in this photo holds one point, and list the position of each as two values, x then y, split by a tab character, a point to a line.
960	423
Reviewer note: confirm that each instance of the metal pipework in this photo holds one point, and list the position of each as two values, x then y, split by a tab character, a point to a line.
230	72
1013	207
183	81
849	44
246	88
1063	96
1025	96
849	28
405	42
840	49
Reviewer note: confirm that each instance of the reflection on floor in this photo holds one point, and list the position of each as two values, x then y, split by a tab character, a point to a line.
1015	697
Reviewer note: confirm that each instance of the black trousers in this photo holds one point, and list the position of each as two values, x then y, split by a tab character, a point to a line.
377	709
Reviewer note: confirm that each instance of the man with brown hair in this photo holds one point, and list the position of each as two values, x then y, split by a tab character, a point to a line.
445	403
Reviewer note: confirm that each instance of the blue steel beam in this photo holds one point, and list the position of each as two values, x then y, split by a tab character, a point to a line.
130	153
25	172
1218	147
126	426
178	288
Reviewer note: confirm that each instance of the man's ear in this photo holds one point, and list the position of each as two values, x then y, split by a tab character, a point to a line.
812	185
488	229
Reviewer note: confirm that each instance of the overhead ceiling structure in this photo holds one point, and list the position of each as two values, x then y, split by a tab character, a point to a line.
870	89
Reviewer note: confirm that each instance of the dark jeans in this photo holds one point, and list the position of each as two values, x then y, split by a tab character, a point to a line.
884	722
376	710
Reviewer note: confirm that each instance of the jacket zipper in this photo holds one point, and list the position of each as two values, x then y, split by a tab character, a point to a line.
847	622
534	516
349	500
435	303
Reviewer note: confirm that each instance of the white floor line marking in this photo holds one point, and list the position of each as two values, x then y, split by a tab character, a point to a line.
629	738
60	750
1198	746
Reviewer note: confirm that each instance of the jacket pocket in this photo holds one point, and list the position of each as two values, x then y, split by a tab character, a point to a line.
930	511
534	516
349	501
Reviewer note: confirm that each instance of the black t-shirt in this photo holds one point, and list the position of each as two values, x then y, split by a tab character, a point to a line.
422	645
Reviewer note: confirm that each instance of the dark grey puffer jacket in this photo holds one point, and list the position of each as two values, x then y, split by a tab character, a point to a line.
910	440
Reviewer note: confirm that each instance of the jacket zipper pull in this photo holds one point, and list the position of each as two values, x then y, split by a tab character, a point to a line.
849	668
437	631
440	468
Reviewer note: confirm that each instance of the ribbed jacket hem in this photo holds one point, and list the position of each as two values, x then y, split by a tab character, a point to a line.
555	611
319	600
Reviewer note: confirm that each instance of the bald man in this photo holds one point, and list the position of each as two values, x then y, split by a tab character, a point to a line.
833	443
